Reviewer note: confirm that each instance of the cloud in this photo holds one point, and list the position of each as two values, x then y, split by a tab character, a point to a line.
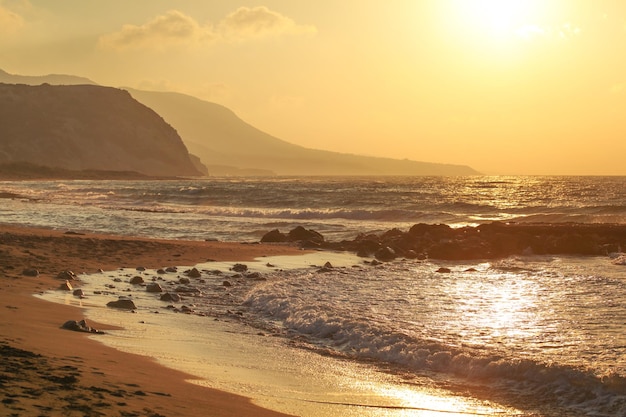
258	22
175	27
171	28
10	22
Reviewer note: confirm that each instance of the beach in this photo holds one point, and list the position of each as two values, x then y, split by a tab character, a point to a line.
46	369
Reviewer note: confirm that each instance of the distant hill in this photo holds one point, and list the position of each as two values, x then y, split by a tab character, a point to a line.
60	79
225	143
87	127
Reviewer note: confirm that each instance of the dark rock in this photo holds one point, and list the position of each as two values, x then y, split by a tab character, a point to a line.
184	280
239	268
444	270
171	269
274	236
385	254
253	275
170	297
141	268
78	293
161	271
193	273
154	287
136	280
328	265
227	284
301	234
80	326
30	272
66	275
122	303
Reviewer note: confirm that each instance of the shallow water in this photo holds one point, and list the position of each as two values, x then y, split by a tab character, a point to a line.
218	345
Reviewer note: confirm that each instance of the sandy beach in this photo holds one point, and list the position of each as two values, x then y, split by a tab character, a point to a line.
47	370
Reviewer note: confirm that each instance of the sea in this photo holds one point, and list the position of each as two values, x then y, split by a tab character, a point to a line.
523	336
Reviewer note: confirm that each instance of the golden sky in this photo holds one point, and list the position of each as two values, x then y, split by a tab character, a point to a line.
505	86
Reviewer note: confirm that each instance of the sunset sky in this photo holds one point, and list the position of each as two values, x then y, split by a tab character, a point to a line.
505	86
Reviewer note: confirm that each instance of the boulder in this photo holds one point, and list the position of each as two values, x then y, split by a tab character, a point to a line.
136	280
385	254
193	273
78	293
122	303
170	297
301	234
154	287
239	268
274	236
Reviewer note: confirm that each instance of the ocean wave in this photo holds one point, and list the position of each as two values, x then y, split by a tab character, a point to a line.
369	339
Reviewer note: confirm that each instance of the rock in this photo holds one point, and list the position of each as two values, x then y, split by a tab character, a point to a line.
239	268
227	284
301	234
136	280
154	287
78	293
193	273
385	254
274	236
80	326
184	280
66	286
141	268
444	270
186	289
30	272
66	275
254	275
160	271
171	269
122	303
171	297
328	265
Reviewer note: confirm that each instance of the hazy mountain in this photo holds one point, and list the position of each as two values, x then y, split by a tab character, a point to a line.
82	127
229	146
220	139
60	79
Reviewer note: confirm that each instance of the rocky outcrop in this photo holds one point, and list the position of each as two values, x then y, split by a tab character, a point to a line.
87	127
487	241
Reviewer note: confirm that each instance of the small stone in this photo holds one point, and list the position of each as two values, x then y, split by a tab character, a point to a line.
66	286
136	280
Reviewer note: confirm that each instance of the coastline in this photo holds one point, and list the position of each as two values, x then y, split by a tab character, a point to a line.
48	369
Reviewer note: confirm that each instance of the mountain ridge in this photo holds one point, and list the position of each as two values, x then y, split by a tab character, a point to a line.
212	141
227	145
88	127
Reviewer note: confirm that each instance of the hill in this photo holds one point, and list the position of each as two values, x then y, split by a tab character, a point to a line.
87	127
57	79
226	145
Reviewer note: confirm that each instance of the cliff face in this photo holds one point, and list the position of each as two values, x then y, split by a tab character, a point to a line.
87	127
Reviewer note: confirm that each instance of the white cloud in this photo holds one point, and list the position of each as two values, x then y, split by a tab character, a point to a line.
175	27
10	22
172	27
247	23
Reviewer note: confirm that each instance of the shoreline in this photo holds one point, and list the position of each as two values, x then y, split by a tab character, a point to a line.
48	369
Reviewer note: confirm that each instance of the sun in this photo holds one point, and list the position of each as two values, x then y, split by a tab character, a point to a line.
496	19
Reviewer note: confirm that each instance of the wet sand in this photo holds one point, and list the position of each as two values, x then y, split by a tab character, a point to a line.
46	371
